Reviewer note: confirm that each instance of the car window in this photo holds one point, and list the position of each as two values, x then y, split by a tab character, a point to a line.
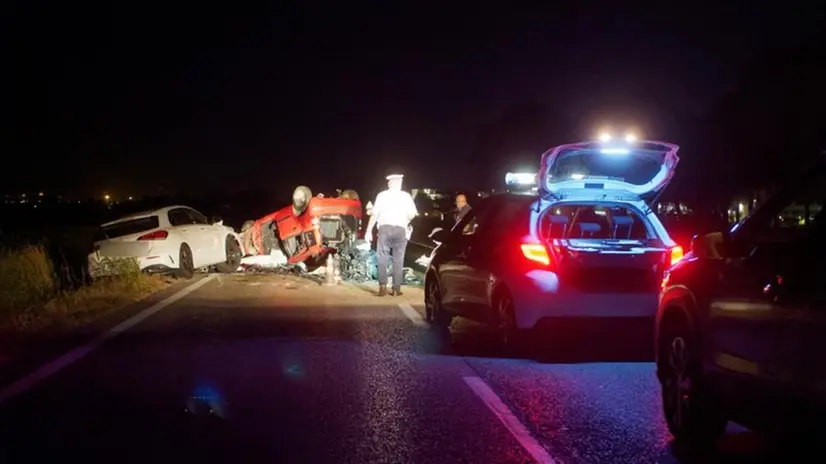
500	220
123	228
179	217
197	218
793	217
471	222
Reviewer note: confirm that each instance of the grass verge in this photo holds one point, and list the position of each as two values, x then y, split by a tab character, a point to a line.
33	300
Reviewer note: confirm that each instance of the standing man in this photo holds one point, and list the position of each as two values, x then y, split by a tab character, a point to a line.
392	212
462	207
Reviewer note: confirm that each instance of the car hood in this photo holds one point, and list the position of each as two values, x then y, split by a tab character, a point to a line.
597	170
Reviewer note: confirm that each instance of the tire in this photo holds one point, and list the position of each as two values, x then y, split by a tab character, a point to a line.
434	312
693	414
301	199
349	194
233	250
510	336
186	266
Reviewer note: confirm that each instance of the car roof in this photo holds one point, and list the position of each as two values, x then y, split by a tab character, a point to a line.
143	214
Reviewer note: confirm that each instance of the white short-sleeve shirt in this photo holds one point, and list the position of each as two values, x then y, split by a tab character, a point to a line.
394	208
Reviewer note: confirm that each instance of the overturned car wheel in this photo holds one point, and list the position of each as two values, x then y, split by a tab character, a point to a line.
349	194
301	199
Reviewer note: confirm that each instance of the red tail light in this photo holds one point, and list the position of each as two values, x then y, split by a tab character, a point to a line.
537	253
676	255
157	235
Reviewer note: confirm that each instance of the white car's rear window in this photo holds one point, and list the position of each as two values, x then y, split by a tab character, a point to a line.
124	228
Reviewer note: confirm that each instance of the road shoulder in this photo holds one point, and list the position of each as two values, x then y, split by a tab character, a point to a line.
41	348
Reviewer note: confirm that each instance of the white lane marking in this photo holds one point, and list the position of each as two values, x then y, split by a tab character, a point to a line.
506	416
56	365
413	315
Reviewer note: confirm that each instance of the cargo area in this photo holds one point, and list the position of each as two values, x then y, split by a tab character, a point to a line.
604	248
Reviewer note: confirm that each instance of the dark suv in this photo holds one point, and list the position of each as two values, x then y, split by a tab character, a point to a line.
742	319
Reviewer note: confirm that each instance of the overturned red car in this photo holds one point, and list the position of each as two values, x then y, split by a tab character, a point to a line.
307	229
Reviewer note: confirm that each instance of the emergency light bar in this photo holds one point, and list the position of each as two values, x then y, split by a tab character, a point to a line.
520	178
616	148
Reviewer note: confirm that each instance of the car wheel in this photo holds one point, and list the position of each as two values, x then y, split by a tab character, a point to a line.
349	194
186	266
233	250
301	199
510	336
434	312
690	410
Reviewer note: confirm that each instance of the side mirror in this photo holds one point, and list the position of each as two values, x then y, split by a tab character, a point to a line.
216	220
438	235
709	246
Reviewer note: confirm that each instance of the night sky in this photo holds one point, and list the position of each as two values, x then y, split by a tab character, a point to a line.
130	97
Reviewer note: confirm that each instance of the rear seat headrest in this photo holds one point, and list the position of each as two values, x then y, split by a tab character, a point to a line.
589	227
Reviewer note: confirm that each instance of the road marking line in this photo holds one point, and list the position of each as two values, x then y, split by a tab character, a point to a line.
506	416
56	365
413	315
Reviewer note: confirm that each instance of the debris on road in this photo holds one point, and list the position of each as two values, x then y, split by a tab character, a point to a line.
356	262
424	260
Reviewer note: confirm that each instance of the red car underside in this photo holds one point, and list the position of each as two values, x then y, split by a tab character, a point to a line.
323	224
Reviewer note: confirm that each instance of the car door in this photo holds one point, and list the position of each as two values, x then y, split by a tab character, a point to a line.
758	319
809	286
460	267
211	246
185	230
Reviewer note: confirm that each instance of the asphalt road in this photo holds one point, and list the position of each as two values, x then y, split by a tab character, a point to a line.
301	373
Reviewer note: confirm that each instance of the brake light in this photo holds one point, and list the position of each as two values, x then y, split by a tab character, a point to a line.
157	235
536	252
676	255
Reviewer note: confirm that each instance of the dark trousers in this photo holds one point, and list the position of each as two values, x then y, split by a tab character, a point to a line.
392	239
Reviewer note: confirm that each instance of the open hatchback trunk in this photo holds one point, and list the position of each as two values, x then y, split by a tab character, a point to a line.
608	171
604	248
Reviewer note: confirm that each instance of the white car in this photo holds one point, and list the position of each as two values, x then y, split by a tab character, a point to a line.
589	246
175	239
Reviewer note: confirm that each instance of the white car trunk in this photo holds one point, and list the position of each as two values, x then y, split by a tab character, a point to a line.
120	239
122	247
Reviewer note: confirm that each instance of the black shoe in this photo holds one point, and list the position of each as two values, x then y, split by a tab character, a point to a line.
382	290
397	293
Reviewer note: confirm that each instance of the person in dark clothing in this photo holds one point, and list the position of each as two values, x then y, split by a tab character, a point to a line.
462	207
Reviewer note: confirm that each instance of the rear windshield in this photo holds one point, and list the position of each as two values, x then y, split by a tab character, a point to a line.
637	167
598	222
121	229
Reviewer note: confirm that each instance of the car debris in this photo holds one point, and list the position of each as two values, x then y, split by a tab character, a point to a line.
308	229
297	239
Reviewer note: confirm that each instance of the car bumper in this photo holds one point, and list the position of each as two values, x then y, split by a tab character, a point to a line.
539	295
106	266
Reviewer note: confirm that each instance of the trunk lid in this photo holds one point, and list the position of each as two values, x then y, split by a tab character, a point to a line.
605	170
